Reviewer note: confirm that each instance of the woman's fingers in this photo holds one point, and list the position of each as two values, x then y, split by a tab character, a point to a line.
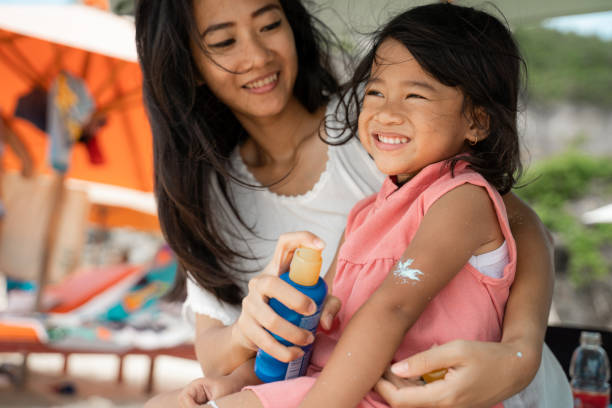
444	356
286	246
265	287
330	310
263	315
262	339
401	382
472	380
424	396
258	319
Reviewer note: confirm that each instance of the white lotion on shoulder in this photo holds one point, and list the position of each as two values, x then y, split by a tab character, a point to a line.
213	404
406	273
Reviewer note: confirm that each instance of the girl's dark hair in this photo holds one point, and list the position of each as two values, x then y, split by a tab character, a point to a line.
465	48
194	134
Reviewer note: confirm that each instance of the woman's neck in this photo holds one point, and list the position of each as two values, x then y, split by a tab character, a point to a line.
274	141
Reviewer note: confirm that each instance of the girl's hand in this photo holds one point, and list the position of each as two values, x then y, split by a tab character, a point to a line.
195	394
257	317
476	377
205	389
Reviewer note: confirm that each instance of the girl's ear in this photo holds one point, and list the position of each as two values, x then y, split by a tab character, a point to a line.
479	125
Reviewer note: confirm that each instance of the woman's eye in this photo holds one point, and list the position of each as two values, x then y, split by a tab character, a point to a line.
272	26
373	92
223	44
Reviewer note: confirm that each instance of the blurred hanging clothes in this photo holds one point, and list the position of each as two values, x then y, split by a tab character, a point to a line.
32	107
89	137
70	107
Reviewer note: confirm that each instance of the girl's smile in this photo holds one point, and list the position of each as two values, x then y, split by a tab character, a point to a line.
409	119
389	140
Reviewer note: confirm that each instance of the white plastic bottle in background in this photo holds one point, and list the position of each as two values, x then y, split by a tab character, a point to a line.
590	373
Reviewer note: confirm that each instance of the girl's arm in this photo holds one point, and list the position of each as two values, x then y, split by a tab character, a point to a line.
523	331
402	299
205	389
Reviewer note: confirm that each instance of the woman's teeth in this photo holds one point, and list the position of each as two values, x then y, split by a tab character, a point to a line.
393	140
262	82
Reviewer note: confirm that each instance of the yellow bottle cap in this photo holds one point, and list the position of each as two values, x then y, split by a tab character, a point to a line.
305	266
435	375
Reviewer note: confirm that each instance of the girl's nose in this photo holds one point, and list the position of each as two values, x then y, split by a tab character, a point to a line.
387	115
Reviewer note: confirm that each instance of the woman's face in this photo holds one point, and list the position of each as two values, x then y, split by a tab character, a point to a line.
250	62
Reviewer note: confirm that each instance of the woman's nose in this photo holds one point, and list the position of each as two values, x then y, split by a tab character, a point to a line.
255	54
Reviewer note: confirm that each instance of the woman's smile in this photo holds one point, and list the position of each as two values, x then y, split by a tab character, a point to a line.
263	84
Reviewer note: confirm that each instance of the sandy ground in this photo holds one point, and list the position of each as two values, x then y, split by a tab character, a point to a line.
94	380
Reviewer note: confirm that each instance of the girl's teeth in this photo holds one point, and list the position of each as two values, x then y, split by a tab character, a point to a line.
393	140
262	82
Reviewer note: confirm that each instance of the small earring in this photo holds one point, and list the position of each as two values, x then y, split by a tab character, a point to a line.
473	142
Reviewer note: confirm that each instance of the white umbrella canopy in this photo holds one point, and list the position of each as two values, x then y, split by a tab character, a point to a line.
74	25
347	16
64	22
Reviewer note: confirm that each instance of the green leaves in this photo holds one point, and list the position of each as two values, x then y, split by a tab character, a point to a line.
566	67
551	186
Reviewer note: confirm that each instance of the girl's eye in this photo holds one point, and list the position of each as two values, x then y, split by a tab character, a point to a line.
272	26
373	92
223	44
414	96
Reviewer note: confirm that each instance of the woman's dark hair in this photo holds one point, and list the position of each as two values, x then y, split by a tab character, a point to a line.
465	48
194	135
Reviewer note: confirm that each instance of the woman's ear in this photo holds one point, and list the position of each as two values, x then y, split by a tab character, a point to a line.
478	126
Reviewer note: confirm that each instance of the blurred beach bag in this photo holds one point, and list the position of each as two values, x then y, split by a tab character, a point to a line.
28	205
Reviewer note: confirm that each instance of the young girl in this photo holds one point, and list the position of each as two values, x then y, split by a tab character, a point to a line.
430	258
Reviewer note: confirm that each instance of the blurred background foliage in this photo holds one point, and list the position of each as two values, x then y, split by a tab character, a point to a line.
550	186
566	66
572	69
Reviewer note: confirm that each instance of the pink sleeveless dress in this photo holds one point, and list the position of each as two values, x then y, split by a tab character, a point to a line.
379	229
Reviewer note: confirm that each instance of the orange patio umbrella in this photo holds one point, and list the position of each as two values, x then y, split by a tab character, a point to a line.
32	54
75	66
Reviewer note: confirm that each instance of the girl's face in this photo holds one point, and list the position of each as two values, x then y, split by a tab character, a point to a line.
409	119
251	64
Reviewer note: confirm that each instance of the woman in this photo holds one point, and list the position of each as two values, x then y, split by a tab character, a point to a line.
236	92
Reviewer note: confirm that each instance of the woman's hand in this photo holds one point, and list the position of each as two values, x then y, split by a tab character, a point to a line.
257	317
331	307
473	380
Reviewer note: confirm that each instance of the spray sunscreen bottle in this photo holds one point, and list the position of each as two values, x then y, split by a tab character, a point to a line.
304	276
